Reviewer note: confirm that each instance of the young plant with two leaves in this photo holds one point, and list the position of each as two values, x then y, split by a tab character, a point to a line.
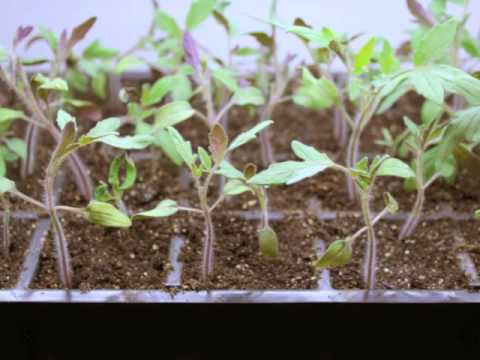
97	211
204	166
363	174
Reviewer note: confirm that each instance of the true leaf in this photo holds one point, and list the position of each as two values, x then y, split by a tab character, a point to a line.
199	12
172	114
18	146
184	148
226	77
435	43
236	187
63	118
249	135
127	63
394	167
168	24
218	143
248	96
364	56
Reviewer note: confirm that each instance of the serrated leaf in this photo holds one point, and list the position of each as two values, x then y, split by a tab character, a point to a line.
164	141
199	12
102	129
428	85
364	56
315	93
387	60
434	44
249	135
309	153
184	148
135	142
248	96
172	114
163	209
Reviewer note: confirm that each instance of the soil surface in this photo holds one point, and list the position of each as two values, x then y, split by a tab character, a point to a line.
138	258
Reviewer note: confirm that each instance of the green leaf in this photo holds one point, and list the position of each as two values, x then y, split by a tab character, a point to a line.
135	142
6	185
315	93
430	111
268	242
163	209
168	24
18	146
64	118
477	214
96	51
364	56
464	127
3	54
184	148
205	159
127	63
390	203
338	253
105	214
428	85
199	12
249	135
435	43
309	153
394	167
320	39
55	84
229	171
183	88
164	141
236	187
284	172
102	129
130	171
226	77
387	60
99	85
172	114
248	96
7	114
155	94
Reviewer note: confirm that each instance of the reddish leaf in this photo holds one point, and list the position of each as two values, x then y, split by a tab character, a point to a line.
80	31
22	33
218	142
263	39
421	14
250	170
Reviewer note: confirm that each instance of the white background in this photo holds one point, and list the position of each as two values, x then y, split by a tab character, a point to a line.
121	22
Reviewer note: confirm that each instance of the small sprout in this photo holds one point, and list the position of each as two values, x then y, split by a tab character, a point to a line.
338	253
105	214
268	242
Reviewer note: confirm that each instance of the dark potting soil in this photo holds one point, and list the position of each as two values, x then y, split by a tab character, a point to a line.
240	265
10	267
425	260
102	258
